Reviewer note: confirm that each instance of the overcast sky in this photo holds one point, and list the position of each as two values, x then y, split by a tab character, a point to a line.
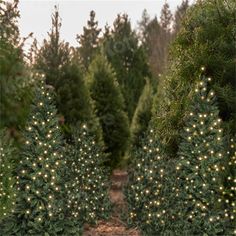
36	14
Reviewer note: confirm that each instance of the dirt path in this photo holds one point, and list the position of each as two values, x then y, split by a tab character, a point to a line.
115	226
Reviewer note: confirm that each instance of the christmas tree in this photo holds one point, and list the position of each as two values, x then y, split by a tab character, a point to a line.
87	180
89	41
109	107
200	166
150	188
7	190
229	193
40	206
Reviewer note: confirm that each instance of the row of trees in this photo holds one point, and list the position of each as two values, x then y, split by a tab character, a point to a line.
182	176
59	187
194	193
70	71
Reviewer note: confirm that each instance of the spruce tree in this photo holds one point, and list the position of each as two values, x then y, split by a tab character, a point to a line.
7	180
142	115
109	107
179	16
150	192
206	40
129	61
201	167
40	205
89	41
14	82
87	179
62	70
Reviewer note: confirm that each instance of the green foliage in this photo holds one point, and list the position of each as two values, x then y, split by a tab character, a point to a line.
86	179
109	107
200	166
128	60
142	114
89	41
14	81
7	190
57	61
206	40
149	193
40	208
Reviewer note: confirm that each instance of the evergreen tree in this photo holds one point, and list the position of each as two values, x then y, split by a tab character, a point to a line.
128	60
206	40
58	62
89	41
109	107
87	180
54	54
7	190
40	208
150	192
14	83
201	166
229	193
142	114
179	15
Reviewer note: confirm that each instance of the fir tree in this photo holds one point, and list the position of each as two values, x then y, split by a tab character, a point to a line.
200	166
179	15
150	192
142	115
7	190
89	41
87	184
60	66
206	40
40	208
14	82
128	60
109	107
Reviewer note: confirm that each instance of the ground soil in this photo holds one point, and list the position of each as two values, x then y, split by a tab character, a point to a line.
114	226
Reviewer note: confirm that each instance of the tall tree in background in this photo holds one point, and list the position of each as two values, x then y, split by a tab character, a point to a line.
54	53
142	115
207	41
128	60
109	107
89	41
14	82
165	23
179	16
57	61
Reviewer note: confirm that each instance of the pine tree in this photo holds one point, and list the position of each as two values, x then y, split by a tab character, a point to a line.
7	190
206	40
87	179
54	54
129	61
150	192
179	15
89	41
200	166
14	82
109	107
40	208
58	62
165	23
142	115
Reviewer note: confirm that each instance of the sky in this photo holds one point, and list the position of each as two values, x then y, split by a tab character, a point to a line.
36	15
